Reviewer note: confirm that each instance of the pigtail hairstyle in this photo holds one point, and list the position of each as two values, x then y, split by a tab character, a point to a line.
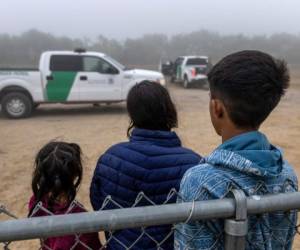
57	172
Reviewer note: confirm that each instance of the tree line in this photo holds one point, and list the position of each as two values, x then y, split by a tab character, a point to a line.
25	49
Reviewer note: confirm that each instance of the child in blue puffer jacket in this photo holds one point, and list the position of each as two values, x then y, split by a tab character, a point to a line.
152	162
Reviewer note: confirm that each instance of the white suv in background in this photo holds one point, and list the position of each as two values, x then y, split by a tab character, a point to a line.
190	69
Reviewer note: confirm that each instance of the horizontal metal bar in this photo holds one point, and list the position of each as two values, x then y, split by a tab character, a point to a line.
49	226
271	203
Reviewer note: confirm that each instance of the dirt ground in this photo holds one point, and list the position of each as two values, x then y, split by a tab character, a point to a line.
97	128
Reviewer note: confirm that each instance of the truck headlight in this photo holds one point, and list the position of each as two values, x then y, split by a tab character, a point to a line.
162	81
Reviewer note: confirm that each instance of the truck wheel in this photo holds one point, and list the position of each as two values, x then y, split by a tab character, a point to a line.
172	79
16	105
186	82
205	84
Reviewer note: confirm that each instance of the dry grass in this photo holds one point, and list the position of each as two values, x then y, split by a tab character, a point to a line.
95	129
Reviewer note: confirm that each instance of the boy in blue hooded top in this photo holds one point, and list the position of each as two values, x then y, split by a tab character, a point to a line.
244	88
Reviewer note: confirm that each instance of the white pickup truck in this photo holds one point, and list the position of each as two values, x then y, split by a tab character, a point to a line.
68	77
190	69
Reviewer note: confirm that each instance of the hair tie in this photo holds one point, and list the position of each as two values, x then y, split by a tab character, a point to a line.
55	149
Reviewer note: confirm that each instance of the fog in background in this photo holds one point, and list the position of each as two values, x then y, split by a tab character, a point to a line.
121	19
143	32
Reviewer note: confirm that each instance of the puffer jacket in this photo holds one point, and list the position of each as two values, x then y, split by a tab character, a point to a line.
152	162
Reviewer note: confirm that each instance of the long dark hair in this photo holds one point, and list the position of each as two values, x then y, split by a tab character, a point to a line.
150	106
58	171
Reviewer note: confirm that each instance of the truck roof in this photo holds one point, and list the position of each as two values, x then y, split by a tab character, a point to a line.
204	57
69	52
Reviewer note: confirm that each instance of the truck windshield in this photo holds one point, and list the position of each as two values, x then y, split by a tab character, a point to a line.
196	61
116	63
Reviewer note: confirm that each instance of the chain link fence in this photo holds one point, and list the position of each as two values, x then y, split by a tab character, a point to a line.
241	216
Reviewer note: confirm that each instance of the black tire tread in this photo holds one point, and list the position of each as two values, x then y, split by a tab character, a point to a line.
26	99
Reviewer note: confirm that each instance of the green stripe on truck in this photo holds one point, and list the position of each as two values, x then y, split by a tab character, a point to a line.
60	87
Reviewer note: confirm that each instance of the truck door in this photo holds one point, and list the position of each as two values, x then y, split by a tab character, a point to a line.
178	68
99	80
61	80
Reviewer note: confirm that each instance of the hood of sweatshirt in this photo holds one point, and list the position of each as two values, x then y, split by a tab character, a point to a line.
250	153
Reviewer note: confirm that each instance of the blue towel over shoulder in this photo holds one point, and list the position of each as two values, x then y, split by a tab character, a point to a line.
250	163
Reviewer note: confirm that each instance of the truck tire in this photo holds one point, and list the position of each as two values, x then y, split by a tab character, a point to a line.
205	84
16	105
186	83
172	79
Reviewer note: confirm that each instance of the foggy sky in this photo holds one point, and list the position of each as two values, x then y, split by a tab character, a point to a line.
133	18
